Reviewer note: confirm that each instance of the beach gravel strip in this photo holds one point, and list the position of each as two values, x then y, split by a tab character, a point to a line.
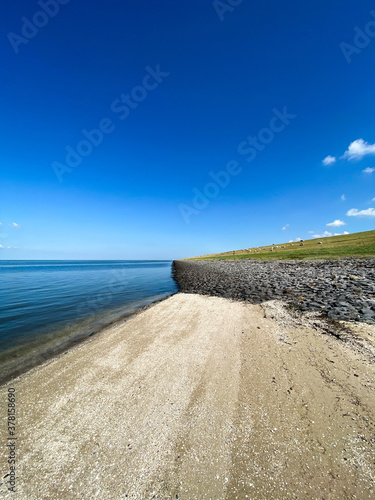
341	289
199	397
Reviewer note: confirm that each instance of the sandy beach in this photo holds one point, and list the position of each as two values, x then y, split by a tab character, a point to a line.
200	397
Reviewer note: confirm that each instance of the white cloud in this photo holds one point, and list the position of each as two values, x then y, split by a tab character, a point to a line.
373	199
323	235
358	149
354	212
286	225
368	170
1	246
326	234
329	160
15	225
343	197
311	232
336	223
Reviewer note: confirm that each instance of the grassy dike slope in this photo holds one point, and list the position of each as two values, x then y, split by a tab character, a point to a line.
349	245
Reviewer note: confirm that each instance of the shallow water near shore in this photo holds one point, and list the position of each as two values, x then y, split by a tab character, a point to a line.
47	306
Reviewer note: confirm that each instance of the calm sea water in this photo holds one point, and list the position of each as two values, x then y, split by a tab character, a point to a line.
46	306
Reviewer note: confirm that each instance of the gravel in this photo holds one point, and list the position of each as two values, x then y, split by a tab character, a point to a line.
199	397
341	289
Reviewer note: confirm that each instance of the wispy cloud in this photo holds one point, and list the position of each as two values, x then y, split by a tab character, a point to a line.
327	234
2	246
15	225
286	225
368	170
354	212
329	160
358	149
336	223
297	239
343	197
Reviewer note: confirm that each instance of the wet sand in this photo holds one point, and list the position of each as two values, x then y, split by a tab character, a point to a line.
201	397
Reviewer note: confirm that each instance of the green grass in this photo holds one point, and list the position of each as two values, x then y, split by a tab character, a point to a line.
334	247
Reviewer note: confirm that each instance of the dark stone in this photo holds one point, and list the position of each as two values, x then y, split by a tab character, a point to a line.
320	283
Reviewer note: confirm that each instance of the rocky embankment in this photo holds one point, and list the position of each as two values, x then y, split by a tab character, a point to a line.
342	289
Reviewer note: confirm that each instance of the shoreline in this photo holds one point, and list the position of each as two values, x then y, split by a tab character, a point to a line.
36	358
201	397
213	278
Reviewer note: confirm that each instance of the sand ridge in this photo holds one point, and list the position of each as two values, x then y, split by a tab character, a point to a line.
201	397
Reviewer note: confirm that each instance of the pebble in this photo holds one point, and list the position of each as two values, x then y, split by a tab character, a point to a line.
341	289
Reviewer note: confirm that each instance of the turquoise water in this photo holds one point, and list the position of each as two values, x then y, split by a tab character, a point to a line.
46	306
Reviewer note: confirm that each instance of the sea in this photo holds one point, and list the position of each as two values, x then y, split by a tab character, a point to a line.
47	307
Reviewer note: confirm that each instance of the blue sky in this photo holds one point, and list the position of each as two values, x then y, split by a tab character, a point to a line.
119	119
